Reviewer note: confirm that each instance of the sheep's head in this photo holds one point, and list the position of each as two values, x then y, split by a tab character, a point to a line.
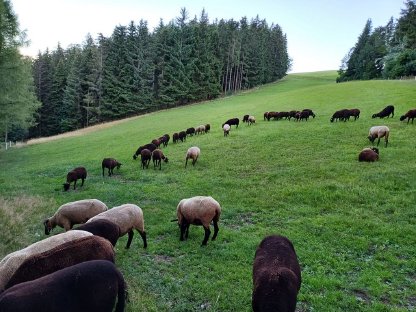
166	159
375	149
402	118
372	138
374	116
332	119
118	165
48	227
66	186
134	156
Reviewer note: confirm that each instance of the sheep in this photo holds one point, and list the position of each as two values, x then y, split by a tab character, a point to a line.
190	131
251	120
166	139
245	118
73	176
231	122
386	112
74	213
87	286
303	115
146	155
157	157
292	114
198	210
156	142
281	115
175	137
355	112
226	129
379	132
368	154
411	114
200	129
193	153
276	275
265	115
151	147
273	115
62	256
128	217
207	128
110	163
309	112
182	135
103	228
340	115
10	263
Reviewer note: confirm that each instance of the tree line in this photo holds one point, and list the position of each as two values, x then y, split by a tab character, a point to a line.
387	52
136	70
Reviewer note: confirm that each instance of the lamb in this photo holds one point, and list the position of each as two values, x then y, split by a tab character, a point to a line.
368	154
110	163
251	120
386	112
74	213
87	286
157	157
182	135
411	114
226	129
193	153
146	155
73	176
276	275
10	263
231	122
151	147
62	256
355	112
379	132
198	210
190	131
207	128
103	228
128	217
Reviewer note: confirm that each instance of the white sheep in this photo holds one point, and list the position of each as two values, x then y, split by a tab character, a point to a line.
198	210
74	213
200	129
128	217
193	153
251	120
379	132
10	263
226	129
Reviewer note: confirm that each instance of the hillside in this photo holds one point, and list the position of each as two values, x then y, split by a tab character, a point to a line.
352	224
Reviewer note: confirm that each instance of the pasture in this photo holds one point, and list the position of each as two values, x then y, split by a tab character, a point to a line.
353	224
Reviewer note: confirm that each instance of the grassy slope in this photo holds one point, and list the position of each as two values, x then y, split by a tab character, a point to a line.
352	224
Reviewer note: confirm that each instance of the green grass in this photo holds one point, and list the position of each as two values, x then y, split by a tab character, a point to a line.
353	224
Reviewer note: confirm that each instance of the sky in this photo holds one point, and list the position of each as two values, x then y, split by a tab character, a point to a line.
319	32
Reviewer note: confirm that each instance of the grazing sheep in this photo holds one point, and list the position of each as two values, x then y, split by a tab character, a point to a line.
251	120
281	115
265	116
340	115
166	139
190	131
182	135
151	147
74	213
10	263
156	142
226	129
146	155
87	286
273	115
245	118
62	256
200	129
292	114
175	137
355	112
157	157
207	128
276	275
379	132
369	154
128	217
386	112
411	114
193	153
231	122
73	176
303	115
309	112
110	163
198	210
103	228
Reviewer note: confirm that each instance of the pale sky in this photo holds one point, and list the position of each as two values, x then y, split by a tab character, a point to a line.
319	32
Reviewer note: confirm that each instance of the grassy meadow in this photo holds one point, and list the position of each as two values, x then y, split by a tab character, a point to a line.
353	224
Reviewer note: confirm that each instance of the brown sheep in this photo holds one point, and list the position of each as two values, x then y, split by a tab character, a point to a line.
151	147
103	228
368	154
192	153
175	137
386	112
411	114
379	132
157	157
110	163
73	176
276	275
146	155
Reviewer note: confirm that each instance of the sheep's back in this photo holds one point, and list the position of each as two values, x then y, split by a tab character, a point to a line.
82	210
199	209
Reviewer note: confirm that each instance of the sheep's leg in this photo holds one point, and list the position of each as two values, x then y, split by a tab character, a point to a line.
75	183
130	239
82	182
143	235
216	229
103	171
378	141
206	237
186	162
187	231
183	229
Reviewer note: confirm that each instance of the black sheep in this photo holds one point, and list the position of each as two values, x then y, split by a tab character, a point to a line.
73	176
386	112
355	112
146	155
276	275
182	136
151	147
207	128
232	122
104	228
190	131
87	286
411	114
157	157
166	139
175	137
342	114
245	118
309	111
110	163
